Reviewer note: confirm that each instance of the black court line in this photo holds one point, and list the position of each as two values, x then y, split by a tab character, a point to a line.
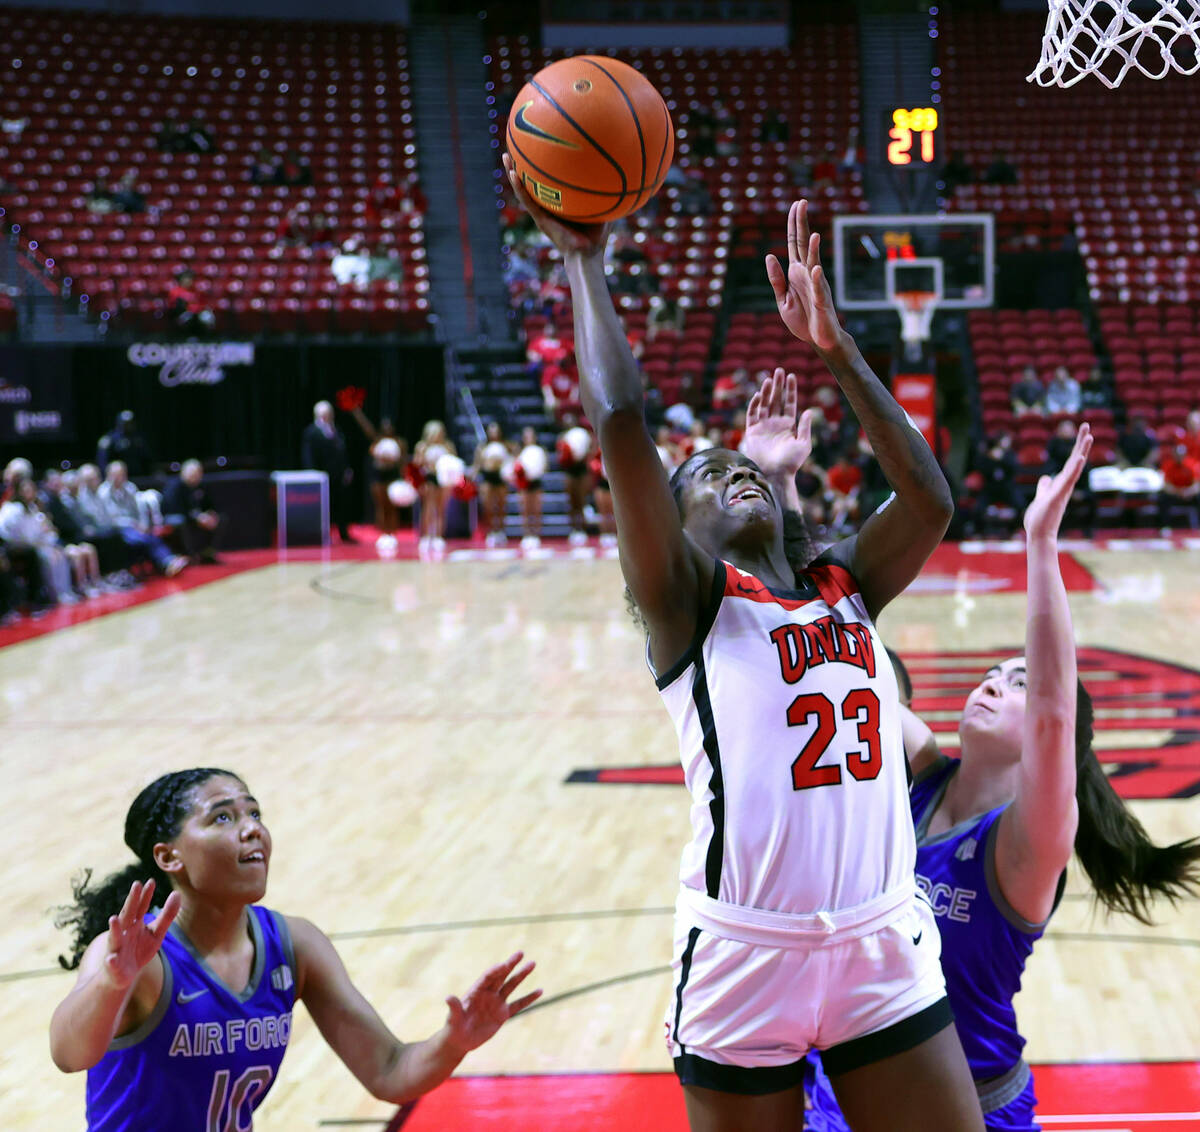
502	921
317	585
588	988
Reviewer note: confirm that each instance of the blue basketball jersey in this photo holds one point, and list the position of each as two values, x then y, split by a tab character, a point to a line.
207	1056
985	944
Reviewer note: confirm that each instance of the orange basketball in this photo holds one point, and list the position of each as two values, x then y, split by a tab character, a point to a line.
591	138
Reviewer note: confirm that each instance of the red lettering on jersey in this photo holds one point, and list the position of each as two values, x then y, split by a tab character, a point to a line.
863	654
789	640
823	641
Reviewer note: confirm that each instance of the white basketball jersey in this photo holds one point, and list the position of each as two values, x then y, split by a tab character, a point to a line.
789	731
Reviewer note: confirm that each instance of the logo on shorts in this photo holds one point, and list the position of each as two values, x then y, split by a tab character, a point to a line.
917	938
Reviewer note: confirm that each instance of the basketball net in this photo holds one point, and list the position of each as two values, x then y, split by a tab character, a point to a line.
1104	38
916	319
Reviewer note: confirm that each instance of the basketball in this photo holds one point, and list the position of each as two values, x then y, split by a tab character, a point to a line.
590	138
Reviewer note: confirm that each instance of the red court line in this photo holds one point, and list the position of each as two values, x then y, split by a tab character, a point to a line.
1156	1097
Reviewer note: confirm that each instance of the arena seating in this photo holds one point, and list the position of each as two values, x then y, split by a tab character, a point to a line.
814	86
93	89
1119	167
1003	344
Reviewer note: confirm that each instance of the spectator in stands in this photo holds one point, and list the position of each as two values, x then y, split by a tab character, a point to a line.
351	266
120	497
957	171
852	155
292	171
1001	171
185	309
383	198
1191	434
126	197
703	129
125	443
695	199
99	197
1137	446
82	555
17	469
1081	508
1094	392
800	169
320	234
730	392
825	171
1028	394
997	463
262	168
197	137
171	136
844	483
188	508
560	391
10	595
323	448
68	515
1063	394
386	262
774	126
663	314
23	523
295	226
1181	484
99	525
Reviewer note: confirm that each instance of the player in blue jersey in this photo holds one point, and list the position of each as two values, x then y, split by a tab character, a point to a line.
181	1018
996	828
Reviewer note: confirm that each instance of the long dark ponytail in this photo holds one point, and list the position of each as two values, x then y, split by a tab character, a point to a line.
156	815
1126	869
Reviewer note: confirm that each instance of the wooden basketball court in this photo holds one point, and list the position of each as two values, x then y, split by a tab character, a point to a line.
461	758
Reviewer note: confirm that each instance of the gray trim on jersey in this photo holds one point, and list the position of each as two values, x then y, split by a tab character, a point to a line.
933	768
156	1015
989	857
998	898
289	949
256	972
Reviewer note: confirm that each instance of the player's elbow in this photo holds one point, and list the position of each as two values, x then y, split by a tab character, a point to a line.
66	1055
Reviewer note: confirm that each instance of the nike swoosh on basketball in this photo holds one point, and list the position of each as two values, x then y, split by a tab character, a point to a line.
183	998
527	127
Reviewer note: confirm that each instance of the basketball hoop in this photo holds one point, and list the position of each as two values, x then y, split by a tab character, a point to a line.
916	318
1092	37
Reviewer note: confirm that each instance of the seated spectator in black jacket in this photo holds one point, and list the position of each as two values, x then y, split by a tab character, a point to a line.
171	136
956	171
188	508
126	444
262	170
126	197
10	595
1001	171
1137	446
197	137
292	170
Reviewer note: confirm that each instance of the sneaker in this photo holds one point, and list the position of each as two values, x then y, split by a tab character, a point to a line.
439	545
530	542
577	538
608	540
175	566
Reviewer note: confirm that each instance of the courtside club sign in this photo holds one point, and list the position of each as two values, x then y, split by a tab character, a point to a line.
190	363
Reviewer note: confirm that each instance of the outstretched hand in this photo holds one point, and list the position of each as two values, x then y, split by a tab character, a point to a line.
485	1007
776	439
132	943
1044	514
584	239
802	294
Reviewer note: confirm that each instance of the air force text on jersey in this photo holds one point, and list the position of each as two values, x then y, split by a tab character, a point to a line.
206	1039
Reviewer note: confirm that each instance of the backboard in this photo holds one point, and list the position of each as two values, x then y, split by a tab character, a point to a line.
952	256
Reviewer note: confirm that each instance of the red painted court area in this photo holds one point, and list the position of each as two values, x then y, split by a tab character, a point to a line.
1101	1097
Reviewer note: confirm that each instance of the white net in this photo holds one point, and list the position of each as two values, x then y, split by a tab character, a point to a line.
1110	38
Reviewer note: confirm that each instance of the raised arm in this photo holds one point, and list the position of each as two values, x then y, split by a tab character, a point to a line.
665	572
1037	832
894	543
388	1068
117	985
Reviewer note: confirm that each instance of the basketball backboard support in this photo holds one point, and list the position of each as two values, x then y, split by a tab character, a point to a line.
875	258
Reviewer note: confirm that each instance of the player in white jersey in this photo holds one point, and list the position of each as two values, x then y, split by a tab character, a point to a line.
798	924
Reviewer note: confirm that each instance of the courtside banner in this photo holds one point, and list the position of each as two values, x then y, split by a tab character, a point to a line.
35	396
915	394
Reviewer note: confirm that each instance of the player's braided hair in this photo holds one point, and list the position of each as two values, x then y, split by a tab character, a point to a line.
156	815
1126	869
798	542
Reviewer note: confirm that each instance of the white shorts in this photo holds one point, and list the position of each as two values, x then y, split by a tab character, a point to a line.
755	990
